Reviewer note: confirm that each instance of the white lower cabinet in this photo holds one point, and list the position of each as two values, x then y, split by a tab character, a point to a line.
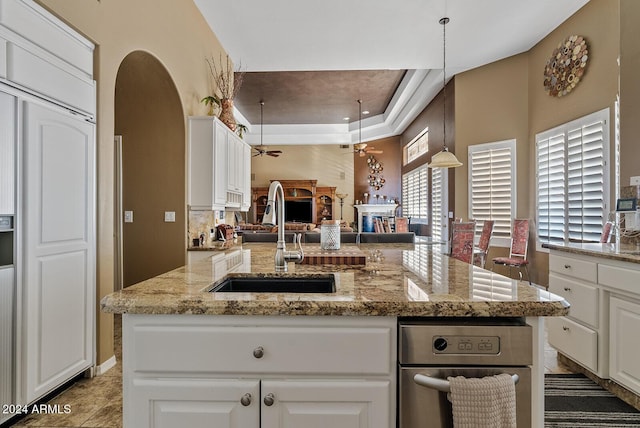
194	403
583	334
625	347
335	404
258	372
601	330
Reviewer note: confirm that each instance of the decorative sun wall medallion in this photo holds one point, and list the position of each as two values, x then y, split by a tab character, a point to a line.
566	66
375	173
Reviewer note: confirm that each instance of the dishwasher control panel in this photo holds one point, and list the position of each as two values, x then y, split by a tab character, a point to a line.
465	345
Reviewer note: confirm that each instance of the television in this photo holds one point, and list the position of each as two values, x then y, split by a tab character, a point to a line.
297	211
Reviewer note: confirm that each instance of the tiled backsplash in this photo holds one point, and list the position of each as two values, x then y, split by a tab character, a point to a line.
204	221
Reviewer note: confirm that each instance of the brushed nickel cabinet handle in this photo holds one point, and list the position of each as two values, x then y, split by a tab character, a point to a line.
269	399
567	288
246	399
258	352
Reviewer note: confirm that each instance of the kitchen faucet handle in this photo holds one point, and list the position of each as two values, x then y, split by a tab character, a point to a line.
297	244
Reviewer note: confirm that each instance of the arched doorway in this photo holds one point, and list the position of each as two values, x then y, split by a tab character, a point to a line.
150	120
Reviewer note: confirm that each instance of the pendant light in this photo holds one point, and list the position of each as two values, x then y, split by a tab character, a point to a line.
444	159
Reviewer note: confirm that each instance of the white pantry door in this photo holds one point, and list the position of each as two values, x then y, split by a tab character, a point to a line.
59	247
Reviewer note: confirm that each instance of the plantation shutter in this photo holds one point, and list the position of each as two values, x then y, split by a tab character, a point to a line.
415	195
551	188
492	184
585	174
572	180
438	216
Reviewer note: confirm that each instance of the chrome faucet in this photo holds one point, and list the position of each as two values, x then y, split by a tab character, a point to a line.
274	216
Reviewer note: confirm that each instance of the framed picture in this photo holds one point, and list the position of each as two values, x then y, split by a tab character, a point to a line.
626	204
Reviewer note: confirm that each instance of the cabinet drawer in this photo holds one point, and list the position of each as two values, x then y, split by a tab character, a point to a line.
575	268
248	349
620	278
582	297
574	340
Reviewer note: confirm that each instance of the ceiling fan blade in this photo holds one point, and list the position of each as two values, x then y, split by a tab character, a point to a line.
375	151
274	151
257	154
275	155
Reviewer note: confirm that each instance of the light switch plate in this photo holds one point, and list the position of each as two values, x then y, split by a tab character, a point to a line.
128	216
635	181
169	216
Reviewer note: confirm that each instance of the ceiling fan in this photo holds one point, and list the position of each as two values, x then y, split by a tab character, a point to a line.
361	148
262	149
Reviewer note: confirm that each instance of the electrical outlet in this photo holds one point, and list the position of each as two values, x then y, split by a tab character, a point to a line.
169	216
635	181
128	216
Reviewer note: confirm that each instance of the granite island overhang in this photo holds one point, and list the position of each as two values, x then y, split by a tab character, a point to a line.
401	280
256	354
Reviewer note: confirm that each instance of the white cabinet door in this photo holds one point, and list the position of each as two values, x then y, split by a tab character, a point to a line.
246	177
59	247
207	164
192	403
624	345
7	288
7	153
232	163
220	166
330	403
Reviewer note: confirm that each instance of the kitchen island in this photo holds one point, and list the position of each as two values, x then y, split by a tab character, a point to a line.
267	359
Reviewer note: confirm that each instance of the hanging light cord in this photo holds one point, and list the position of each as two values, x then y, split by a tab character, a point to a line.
261	106
359	121
444	21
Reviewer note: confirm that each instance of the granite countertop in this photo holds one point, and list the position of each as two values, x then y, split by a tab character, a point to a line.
397	280
621	252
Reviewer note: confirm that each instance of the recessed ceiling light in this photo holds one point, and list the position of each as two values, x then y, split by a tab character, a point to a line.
365	112
345	118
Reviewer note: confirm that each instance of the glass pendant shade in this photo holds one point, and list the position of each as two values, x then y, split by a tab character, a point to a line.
444	159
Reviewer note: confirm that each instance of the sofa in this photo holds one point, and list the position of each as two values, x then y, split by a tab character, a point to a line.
312	237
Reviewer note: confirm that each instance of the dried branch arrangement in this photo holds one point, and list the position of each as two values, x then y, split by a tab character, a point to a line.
227	81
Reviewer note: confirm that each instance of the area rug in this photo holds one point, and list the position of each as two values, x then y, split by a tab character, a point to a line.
574	400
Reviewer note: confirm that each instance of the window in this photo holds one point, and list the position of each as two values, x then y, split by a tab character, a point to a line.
416	147
572	180
492	187
415	195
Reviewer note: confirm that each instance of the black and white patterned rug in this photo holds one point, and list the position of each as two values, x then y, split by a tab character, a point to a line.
573	400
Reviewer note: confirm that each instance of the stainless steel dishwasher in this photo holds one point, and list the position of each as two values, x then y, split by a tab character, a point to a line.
473	347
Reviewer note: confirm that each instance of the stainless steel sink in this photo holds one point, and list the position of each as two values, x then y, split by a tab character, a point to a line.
277	284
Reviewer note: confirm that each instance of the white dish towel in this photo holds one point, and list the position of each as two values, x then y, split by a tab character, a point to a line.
483	402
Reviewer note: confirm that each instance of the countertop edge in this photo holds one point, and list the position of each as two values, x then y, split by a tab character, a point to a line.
606	251
309	308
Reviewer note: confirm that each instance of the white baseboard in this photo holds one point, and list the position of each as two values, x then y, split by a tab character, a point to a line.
104	367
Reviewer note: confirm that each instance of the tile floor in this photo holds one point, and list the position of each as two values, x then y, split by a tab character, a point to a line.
97	402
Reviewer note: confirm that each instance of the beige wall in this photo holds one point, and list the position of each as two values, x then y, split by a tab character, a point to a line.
176	34
149	118
507	99
329	164
629	90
